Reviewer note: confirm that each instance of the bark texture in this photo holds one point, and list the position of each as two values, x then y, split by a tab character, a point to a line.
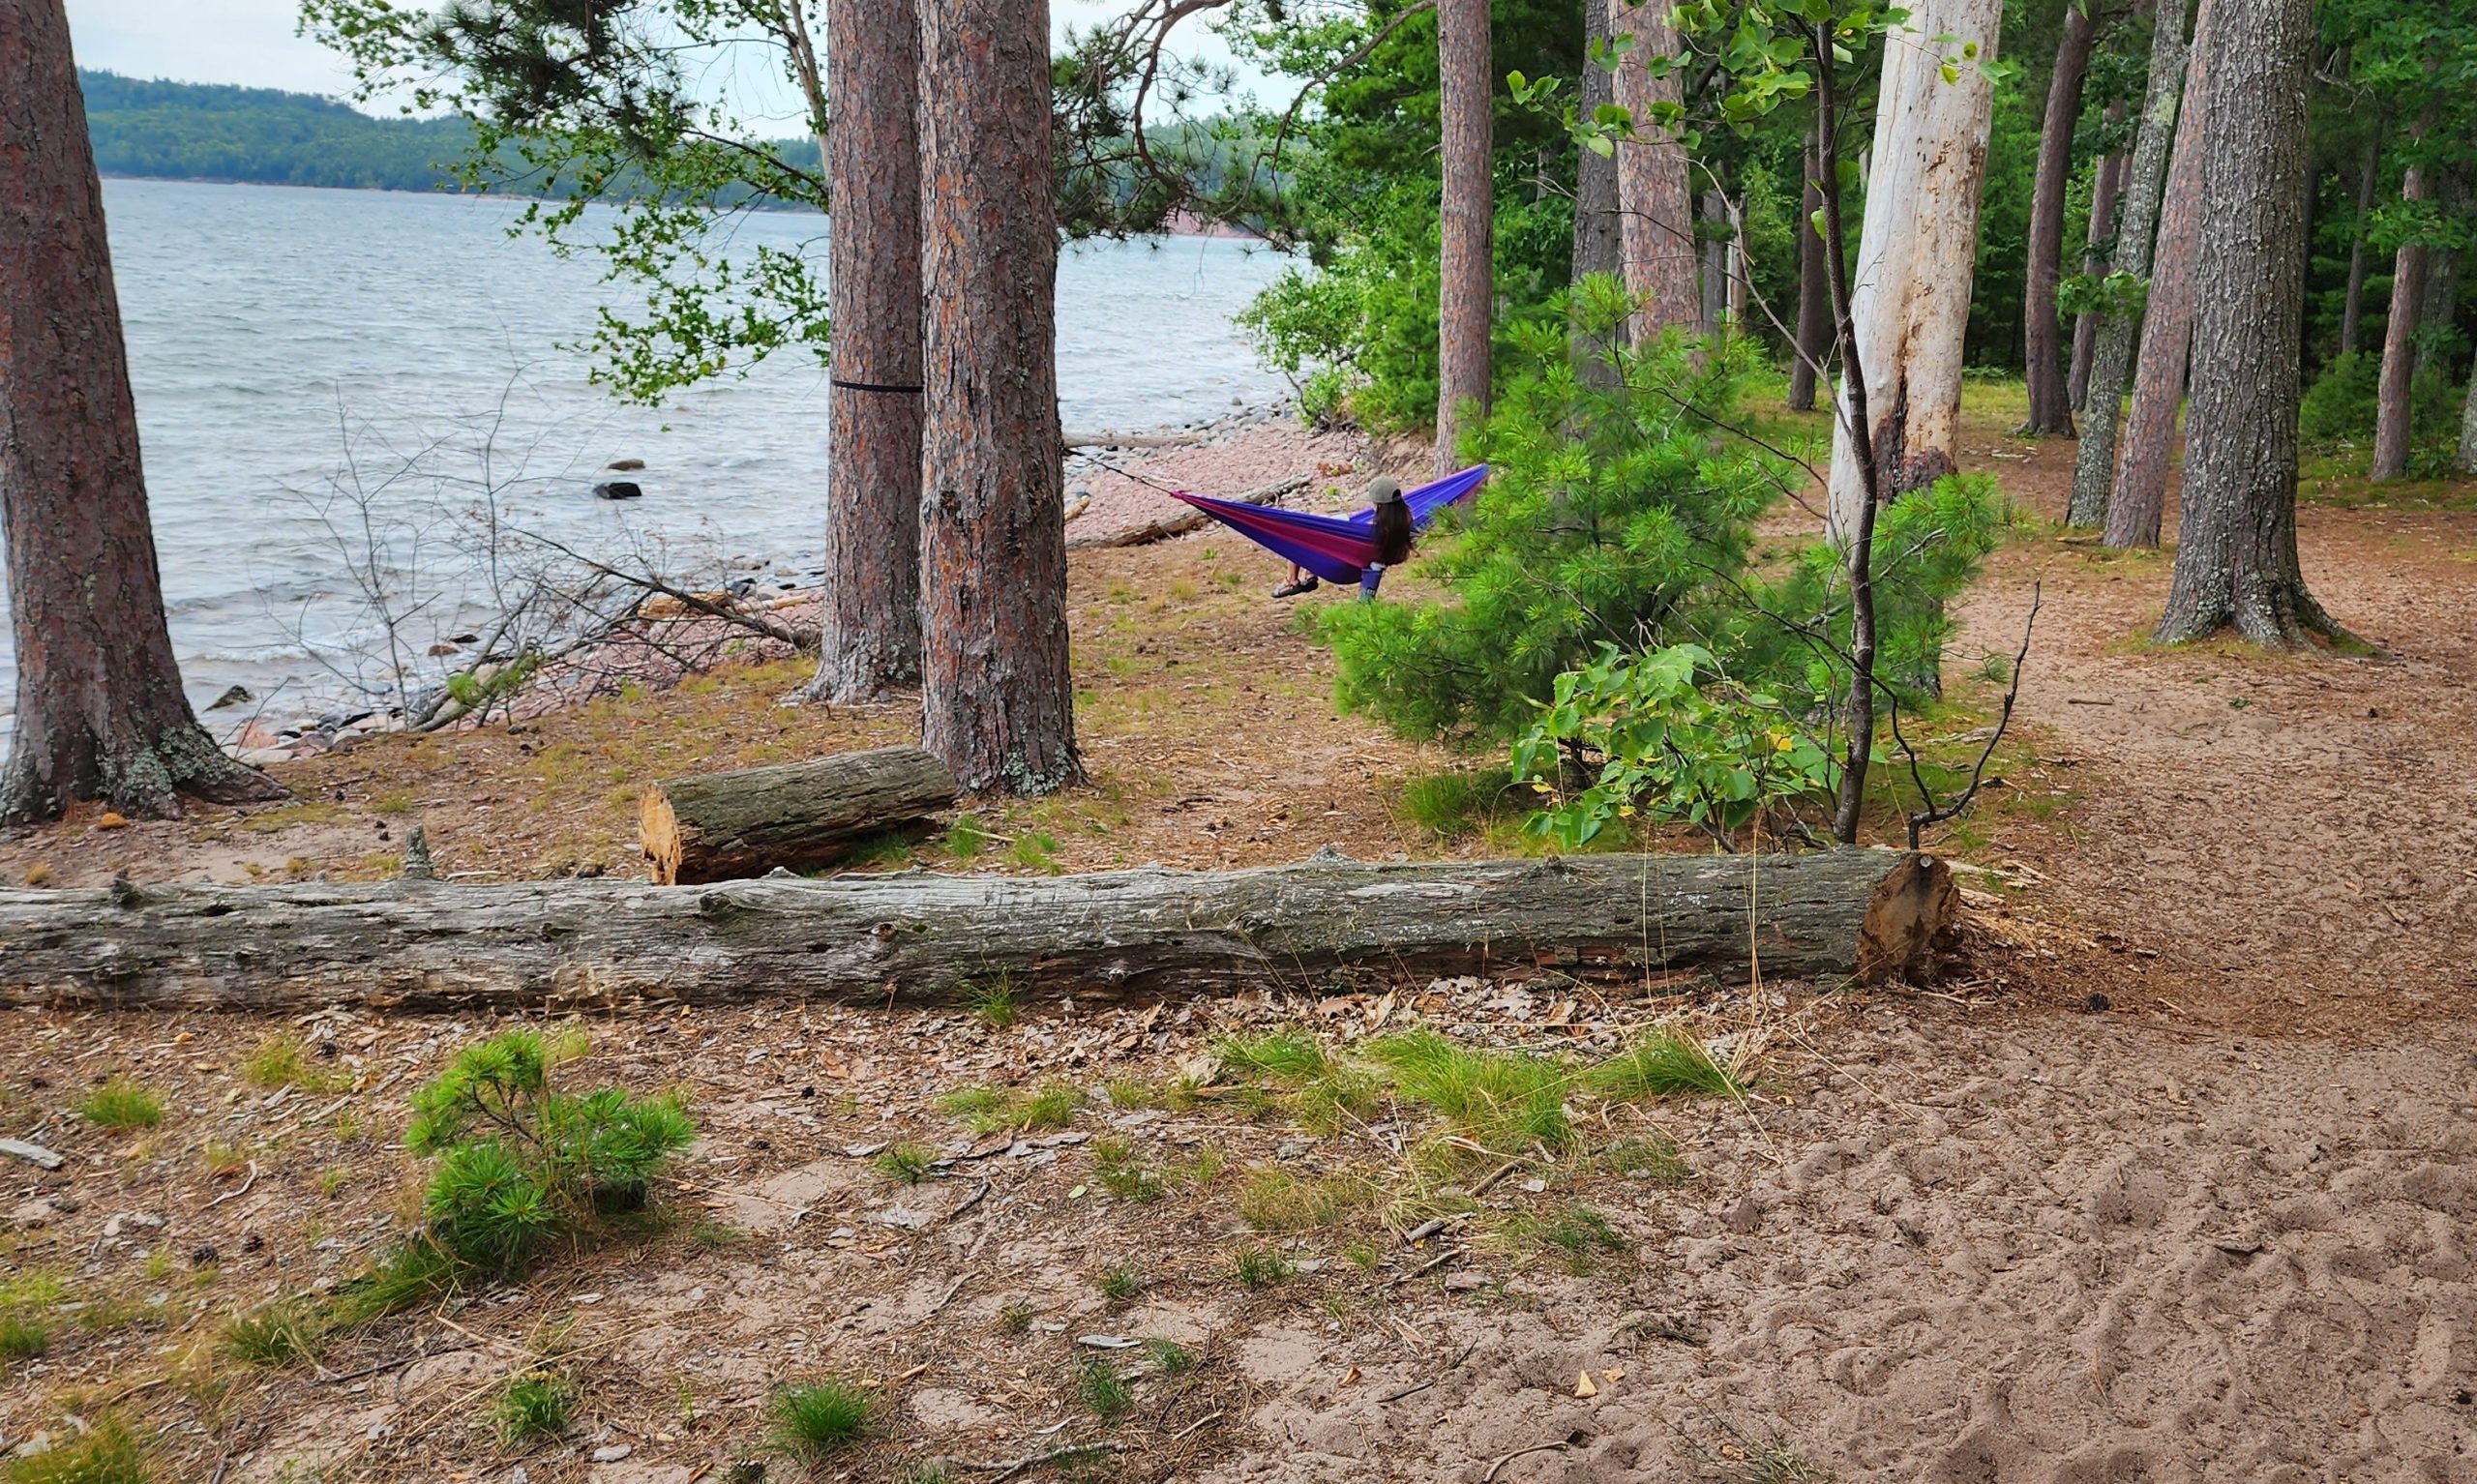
1599	240
1814	287
997	700
2135	511
2106	185
1917	251
2094	460
2050	392
421	945
1713	231
872	609
2468	460
2400	338
1466	322
2352	305
726	826
1656	201
2441	308
2236	563
99	711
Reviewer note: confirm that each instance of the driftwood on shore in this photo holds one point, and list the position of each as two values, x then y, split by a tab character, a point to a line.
1187	520
414	945
724	826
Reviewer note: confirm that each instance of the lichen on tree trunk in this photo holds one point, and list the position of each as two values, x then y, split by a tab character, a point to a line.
872	601
996	697
1654	196
99	710
2236	561
1466	312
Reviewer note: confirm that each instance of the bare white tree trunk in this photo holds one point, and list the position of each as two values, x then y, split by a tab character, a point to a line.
1918	250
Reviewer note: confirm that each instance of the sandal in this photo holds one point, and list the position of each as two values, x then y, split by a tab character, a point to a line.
1294	589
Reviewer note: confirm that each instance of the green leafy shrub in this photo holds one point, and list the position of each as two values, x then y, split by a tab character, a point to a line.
521	1164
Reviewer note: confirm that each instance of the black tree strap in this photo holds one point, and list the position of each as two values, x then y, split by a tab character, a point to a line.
875	386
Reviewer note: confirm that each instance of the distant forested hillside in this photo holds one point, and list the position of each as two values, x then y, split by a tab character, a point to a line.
185	130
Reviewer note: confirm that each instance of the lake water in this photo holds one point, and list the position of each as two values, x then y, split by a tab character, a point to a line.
271	328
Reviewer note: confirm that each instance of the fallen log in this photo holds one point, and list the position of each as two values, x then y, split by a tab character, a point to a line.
1185	521
723	826
414	944
1110	437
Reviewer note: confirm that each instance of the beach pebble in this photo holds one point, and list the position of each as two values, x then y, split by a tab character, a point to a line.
237	696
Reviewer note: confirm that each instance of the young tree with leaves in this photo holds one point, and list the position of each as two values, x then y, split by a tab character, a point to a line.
99	709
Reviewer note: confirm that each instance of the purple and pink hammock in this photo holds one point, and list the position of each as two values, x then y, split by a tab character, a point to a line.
1334	547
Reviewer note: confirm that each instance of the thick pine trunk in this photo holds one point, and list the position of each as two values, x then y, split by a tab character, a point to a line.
1656	203
99	714
1466	321
2236	562
2136	509
2107	187
871	609
997	699
1814	287
1600	244
2050	398
2094	460
1917	252
2353	307
727	826
871	938
2400	340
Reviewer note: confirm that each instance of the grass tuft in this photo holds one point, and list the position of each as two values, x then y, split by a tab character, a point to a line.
279	1334
1277	1201
1505	1101
1455	805
1260	1267
1104	1391
534	1406
811	1421
1121	1172
1663	1064
1014	1110
908	1162
121	1104
22	1338
994	1003
1122	1283
283	1062
105	1453
1174	1358
1577	1234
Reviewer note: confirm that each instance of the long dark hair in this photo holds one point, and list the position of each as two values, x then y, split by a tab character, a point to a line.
1394	531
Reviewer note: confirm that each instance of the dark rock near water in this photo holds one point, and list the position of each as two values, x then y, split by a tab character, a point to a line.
623	465
618	489
238	696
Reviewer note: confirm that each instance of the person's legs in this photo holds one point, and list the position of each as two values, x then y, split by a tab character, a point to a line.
1301	580
1369	576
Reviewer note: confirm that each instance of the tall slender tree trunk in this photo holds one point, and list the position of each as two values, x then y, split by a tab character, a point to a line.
2352	308
2050	401
1815	288
1652	195
101	714
2135	510
2236	562
2094	461
2467	460
1715	234
872	607
2441	308
997	699
2400	338
2106	188
1915	255
1600	244
1466	310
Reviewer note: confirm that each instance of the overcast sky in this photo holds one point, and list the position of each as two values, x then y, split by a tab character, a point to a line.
252	42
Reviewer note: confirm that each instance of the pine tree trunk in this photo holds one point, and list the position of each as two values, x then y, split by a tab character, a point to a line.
1815	288
2106	188
2468	428
2352	309
1466	310
997	700
101	714
1917	252
2050	403
1714	233
2135	511
2236	562
2094	461
2441	308
1598	237
871	639
1654	199
2400	336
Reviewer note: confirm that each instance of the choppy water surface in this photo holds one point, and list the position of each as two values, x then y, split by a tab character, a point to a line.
280	339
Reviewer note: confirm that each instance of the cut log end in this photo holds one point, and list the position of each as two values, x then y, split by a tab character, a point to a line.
727	826
658	827
1912	907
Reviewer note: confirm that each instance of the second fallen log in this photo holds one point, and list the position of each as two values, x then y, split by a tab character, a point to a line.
727	826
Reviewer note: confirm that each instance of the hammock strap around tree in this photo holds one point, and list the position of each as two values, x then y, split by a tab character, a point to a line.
1334	547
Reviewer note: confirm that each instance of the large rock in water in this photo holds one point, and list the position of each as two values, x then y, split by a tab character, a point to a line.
618	489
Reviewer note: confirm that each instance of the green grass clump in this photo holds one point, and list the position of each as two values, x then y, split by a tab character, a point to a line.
1281	1055
1277	1201
1104	1391
908	1162
1260	1267
1654	1158
410	1273
533	1407
1174	1358
1577	1234
1505	1101
1034	850
283	1062
22	1338
279	1334
812	1421
1454	805
1014	1110
1121	1172
105	1453
994	1003
1320	1091
967	838
1663	1064
120	1105
1122	1283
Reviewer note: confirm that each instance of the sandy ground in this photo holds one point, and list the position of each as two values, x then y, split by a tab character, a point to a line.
2218	1230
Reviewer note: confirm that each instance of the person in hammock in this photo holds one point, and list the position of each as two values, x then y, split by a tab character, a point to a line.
1392	529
